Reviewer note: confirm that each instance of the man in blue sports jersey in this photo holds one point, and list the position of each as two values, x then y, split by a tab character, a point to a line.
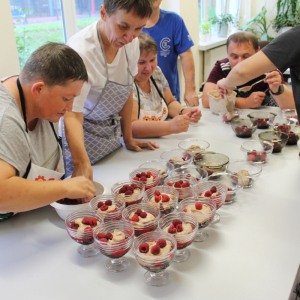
173	40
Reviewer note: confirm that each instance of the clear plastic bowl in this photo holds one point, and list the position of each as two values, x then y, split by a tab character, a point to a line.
172	154
256	151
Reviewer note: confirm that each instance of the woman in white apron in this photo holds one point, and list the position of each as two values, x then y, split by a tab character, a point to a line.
103	110
154	100
30	155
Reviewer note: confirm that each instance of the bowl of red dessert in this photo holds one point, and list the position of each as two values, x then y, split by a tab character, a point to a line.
277	138
149	177
165	197
291	129
243	128
290	114
178	157
194	145
191	171
256	151
263	118
131	192
227	116
143	217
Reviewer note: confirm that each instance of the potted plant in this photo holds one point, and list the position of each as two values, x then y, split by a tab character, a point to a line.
261	22
205	30
288	15
222	22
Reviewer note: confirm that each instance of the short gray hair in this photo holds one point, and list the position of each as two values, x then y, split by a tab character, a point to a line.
243	37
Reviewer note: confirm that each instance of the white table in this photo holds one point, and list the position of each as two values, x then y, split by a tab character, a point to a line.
253	253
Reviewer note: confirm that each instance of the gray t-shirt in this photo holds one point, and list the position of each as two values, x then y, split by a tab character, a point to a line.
17	147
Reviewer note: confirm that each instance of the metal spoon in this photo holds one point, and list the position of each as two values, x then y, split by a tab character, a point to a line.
249	87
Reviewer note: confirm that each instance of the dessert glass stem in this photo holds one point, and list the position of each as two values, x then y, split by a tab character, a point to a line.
201	236
156	279
181	255
117	264
88	250
216	219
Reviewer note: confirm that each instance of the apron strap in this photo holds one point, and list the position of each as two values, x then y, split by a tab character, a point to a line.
22	99
139	100
58	138
159	92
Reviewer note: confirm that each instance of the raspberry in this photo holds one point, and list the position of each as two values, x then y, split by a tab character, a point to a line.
103	240
157	193
73	225
185	184
170	184
128	193
88	230
134	186
138	175
143	174
135	218
165	198
122	190
149	173
135	178
161	243
144	248
155	250
179	228
143	215
213	189
108	202
144	178
185	210
86	221
207	194
100	235
130	188
148	176
104	207
177	184
93	222
100	204
198	205
157	198
109	236
176	222
172	229
252	157
138	212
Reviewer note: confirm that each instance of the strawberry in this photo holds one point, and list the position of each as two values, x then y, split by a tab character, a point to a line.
104	207
128	193
170	184
161	243
213	189
103	240
135	178
135	218
122	190
144	248
86	221
143	178
138	212
207	194
100	235
93	222
185	184
165	198
100	204
198	205
108	202
179	228
143	215
109	236
155	250
157	198
157	193
176	222
177	184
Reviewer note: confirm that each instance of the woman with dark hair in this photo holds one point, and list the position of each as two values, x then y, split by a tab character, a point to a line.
103	110
154	100
30	155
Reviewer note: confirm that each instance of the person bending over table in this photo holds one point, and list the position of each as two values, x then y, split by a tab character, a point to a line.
273	92
30	155
110	51
282	53
154	101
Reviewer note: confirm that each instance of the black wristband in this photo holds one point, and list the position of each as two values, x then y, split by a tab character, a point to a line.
280	90
180	113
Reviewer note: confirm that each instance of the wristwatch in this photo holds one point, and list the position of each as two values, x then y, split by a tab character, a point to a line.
280	90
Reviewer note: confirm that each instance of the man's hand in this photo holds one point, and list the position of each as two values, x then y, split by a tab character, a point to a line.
274	81
136	145
191	98
255	99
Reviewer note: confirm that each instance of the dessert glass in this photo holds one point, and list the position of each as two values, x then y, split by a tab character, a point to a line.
119	201
130	199
277	138
156	266
256	151
190	170
164	167
83	237
226	118
115	250
154	172
263	118
183	192
290	114
253	169
186	144
219	200
139	227
233	182
204	219
186	155
291	129
183	239
243	128
165	207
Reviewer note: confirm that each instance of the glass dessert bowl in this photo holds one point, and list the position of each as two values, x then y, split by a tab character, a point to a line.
154	251
290	114
114	239
178	157
149	177
233	182
277	138
203	210
212	191
263	118
248	171
132	193
243	128
80	225
143	217
183	227
256	151
164	167
212	162
110	207
291	129
194	145
165	197
227	116
191	171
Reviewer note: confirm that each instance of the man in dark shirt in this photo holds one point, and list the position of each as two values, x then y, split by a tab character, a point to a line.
241	46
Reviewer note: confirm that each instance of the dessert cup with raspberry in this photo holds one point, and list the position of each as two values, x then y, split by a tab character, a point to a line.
183	185
149	177
195	145
233	182
243	128
203	210
213	191
154	251
263	118
131	192
165	197
114	239
256	151
227	116
143	217
248	171
80	226
183	227
164	167
290	115
191	171
178	157
110	207
277	138
291	129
